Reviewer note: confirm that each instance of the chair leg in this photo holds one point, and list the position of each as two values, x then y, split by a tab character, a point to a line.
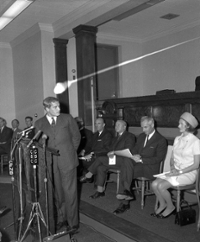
1	165
178	201
137	186
198	202
142	194
198	223
118	174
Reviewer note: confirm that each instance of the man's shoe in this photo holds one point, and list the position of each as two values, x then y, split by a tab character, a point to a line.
3	209
126	195
122	208
84	179
97	195
60	225
72	230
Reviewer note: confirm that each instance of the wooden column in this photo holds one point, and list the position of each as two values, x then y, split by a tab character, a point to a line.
85	54
61	71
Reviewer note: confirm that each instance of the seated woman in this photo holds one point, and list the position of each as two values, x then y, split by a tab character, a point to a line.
184	163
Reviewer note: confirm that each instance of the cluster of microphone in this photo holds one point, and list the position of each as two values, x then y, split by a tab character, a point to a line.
23	133
36	136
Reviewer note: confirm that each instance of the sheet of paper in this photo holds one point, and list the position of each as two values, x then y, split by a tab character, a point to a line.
112	161
125	153
162	174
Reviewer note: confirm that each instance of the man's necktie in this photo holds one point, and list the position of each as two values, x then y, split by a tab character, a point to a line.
53	123
146	140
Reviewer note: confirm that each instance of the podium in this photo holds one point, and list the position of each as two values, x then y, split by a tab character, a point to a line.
25	183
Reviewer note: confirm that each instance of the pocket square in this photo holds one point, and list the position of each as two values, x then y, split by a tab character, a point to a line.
151	147
99	140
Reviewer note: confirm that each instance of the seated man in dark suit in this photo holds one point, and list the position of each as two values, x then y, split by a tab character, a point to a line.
5	137
30	133
123	140
149	151
16	129
86	135
98	145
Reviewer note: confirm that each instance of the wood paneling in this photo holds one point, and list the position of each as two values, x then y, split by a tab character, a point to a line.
165	109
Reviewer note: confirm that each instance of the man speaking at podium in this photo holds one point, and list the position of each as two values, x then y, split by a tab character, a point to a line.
62	134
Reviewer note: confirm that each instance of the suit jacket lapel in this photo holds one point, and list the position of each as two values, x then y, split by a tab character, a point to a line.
117	139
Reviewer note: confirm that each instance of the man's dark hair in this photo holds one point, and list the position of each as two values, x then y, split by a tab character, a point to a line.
29	117
48	101
16	120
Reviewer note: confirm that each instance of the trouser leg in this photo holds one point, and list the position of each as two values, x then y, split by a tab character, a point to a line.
69	185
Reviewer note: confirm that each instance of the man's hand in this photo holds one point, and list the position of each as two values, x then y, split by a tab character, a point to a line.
173	172
111	154
82	153
137	158
89	156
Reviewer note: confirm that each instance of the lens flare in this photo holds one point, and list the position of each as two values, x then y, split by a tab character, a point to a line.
62	86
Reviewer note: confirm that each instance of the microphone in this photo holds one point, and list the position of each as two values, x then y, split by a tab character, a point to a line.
35	137
25	130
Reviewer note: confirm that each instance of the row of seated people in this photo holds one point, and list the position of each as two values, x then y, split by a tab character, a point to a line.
9	135
147	154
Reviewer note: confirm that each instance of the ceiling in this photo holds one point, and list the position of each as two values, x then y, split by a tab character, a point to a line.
138	20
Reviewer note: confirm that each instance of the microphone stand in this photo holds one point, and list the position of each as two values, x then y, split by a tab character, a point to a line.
36	210
11	172
46	186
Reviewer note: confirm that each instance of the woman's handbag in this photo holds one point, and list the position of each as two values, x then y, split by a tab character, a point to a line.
185	216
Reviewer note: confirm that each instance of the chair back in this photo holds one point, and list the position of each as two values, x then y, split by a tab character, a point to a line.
197	186
166	163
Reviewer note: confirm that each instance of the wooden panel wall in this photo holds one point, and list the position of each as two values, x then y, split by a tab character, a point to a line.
166	109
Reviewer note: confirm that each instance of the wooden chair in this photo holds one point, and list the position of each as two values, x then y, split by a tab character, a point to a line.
117	172
4	161
145	186
192	189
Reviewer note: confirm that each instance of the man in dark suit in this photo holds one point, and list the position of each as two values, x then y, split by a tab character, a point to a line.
99	144
86	135
62	134
5	137
149	151
16	130
29	134
123	140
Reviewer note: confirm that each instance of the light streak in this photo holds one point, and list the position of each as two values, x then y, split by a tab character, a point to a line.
63	86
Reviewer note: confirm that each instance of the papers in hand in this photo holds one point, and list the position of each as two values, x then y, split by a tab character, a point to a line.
161	174
81	158
125	153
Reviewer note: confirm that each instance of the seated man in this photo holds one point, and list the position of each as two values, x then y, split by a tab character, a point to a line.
5	137
29	123
98	145
16	130
86	135
149	151
123	140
